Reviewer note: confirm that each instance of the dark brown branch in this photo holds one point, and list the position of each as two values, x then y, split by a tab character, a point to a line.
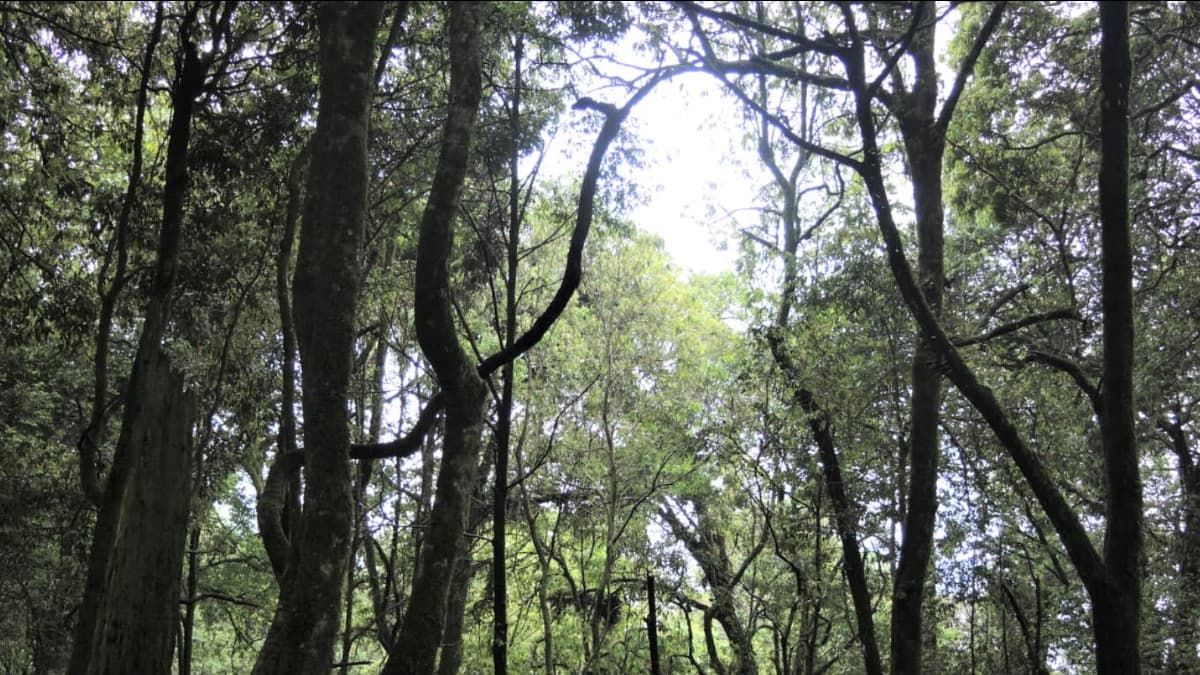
714	66
1006	297
613	119
968	65
1024	322
271	506
1070	368
393	35
214	595
827	48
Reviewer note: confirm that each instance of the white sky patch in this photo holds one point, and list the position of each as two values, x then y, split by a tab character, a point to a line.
695	171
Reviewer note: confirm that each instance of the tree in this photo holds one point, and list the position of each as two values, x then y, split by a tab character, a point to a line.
416	646
326	295
126	623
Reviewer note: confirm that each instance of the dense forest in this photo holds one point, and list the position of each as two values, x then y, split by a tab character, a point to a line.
330	341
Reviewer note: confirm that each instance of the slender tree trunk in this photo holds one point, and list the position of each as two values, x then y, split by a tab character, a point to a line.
504	411
1183	656
924	144
544	560
305	626
278	506
652	625
93	436
420	636
191	591
1116	604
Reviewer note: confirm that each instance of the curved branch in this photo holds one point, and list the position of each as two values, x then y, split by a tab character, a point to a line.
271	504
1023	322
968	65
613	119
1071	368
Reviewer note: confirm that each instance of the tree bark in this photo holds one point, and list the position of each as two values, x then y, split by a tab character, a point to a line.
1116	606
325	294
465	392
135	622
127	621
924	143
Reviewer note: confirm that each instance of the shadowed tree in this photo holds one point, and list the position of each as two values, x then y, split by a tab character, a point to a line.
325	296
127	619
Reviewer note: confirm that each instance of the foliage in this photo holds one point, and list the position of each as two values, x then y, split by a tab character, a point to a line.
652	432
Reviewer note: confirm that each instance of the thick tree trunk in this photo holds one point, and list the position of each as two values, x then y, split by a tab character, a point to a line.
451	656
136	620
420	636
128	618
305	626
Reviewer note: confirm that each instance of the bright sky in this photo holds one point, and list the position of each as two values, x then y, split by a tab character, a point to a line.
695	172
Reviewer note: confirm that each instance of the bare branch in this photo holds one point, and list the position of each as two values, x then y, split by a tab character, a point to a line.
1063	364
1013	326
968	65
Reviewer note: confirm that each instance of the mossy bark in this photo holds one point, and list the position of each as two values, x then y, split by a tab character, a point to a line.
325	299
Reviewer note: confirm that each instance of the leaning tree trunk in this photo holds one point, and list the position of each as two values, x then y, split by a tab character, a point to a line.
415	649
1112	579
707	546
325	293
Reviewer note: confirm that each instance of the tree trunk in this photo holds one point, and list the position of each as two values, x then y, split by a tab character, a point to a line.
136	619
707	546
420	636
325	293
128	618
504	410
924	143
450	659
278	505
819	421
1186	616
1116	604
652	625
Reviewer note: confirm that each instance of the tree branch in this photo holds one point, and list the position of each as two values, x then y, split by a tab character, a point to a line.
613	119
1071	368
968	65
1013	326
